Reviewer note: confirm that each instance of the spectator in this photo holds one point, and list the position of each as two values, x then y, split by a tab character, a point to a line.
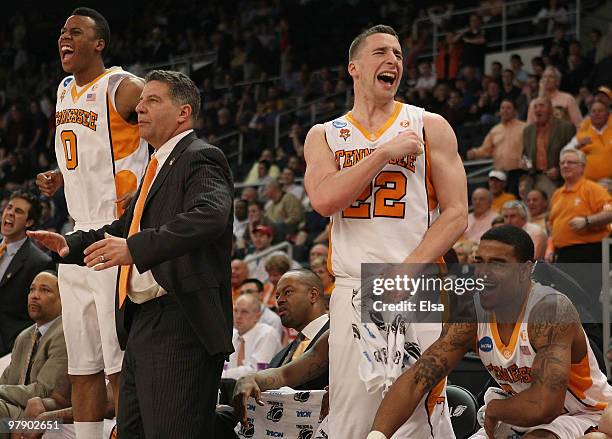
276	265
489	103
528	92
580	214
249	194
543	140
284	210
39	358
287	179
241	220
448	58
254	343
595	141
256	174
474	44
240	272
20	260
317	251
497	184
515	213
551	15
496	72
427	78
549	87
39	126
509	90
255	287
504	144
479	221
537	203
319	267
261	236
520	75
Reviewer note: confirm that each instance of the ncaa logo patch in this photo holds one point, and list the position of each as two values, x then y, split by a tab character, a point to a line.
67	80
485	344
301	396
275	414
338	124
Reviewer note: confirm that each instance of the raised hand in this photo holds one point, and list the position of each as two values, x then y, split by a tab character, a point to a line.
49	182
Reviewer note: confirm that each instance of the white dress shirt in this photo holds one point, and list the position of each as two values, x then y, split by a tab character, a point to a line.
311	330
45	327
261	343
143	286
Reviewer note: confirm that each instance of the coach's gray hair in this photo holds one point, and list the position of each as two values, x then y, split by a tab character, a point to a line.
183	90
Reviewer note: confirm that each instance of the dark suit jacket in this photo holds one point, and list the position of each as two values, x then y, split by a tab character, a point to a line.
561	132
315	384
185	240
49	366
14	287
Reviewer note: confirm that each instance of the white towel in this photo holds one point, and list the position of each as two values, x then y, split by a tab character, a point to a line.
286	413
387	347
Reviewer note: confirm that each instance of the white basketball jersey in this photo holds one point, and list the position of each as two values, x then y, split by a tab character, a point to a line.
588	389
100	155
390	217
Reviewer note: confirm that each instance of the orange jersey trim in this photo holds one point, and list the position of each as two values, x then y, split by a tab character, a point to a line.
382	129
76	95
580	381
515	332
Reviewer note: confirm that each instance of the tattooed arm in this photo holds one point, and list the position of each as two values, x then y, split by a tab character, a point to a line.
433	366
553	326
310	365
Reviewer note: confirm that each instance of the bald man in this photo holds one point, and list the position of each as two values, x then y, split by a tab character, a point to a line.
254	343
39	359
240	273
479	221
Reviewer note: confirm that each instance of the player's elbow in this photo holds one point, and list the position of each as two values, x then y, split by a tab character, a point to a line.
324	206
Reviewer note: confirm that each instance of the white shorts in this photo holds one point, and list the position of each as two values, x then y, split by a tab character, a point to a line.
564	426
352	409
88	315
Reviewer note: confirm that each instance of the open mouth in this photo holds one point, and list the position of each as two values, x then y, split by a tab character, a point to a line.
7	224
387	78
66	53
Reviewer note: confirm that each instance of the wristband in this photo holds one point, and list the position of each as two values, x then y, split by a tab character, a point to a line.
376	435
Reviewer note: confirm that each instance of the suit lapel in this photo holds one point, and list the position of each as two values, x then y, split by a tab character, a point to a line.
168	164
16	263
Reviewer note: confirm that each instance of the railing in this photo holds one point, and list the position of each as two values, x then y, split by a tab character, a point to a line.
606	294
185	64
504	41
285	245
484	166
312	107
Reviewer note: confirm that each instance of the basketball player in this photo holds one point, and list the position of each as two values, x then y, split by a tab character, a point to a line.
382	172
101	160
528	337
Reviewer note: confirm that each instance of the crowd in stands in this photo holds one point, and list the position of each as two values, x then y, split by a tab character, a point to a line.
546	128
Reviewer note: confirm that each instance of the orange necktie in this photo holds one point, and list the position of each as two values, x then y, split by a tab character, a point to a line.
2	249
241	352
126	270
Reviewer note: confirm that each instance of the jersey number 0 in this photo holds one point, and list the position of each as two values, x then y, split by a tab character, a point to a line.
69	140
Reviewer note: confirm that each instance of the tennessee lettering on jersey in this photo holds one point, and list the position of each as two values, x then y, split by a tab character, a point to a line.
100	155
77	115
510	365
348	158
511	374
389	218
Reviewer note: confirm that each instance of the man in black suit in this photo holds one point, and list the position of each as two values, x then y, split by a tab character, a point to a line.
175	270
301	306
20	262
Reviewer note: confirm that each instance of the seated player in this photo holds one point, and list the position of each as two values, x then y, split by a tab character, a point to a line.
533	345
